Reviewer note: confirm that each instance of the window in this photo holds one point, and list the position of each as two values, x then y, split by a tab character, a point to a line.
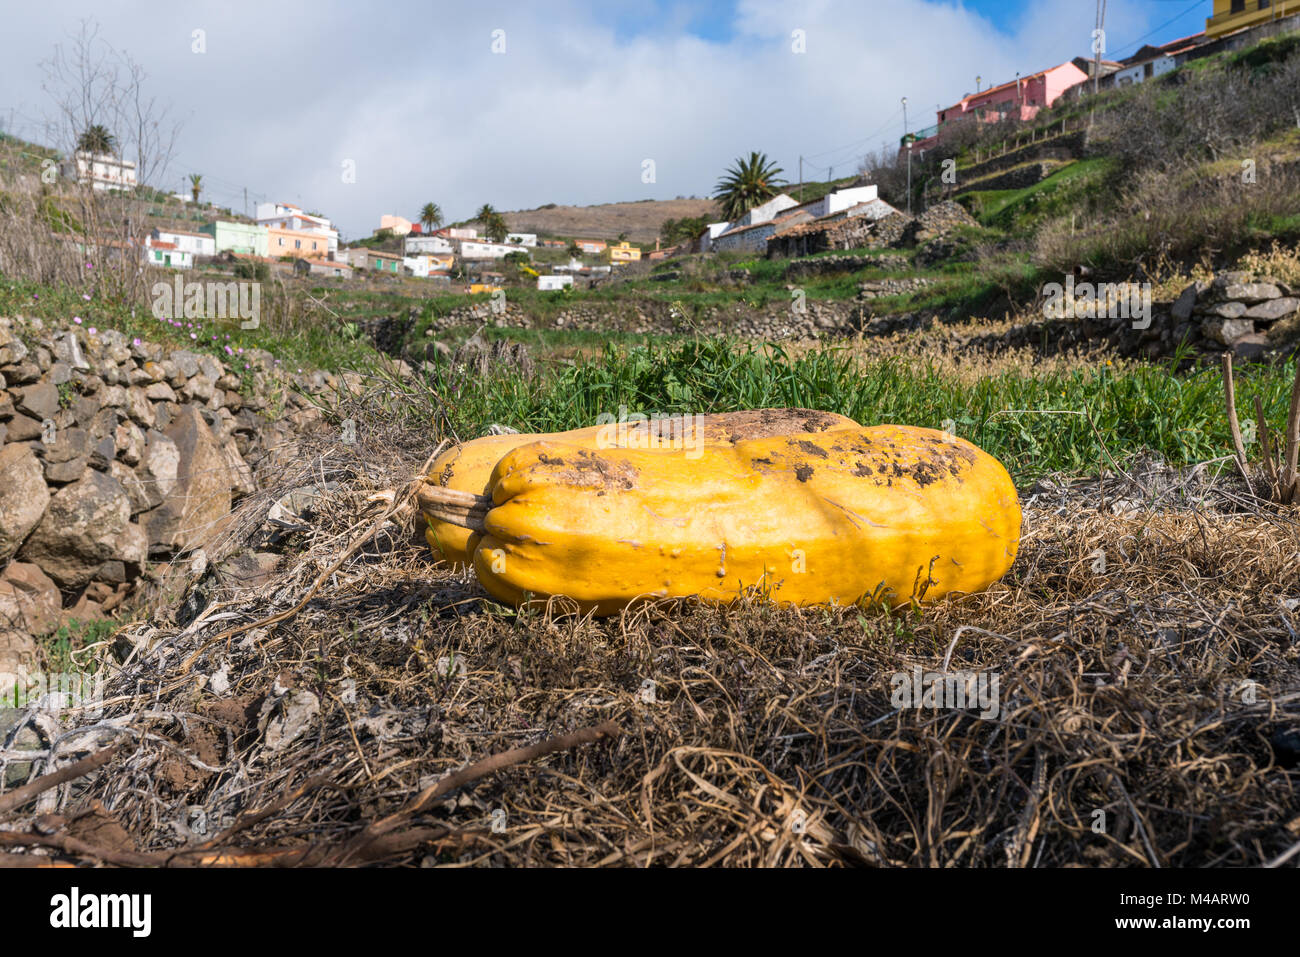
1238	6
1263	4
297	244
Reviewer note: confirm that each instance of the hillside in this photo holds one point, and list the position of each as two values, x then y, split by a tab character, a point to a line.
639	220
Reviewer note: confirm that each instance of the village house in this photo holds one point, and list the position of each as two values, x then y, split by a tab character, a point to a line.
419	245
329	269
160	253
754	237
196	244
290	217
522	239
295	243
623	252
1229	16
1019	99
554	282
102	171
593	246
241	238
485	249
374	260
397	225
850	228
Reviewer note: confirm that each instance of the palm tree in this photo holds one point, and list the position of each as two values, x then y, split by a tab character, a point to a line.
497	229
431	216
748	183
485	213
97	139
196	184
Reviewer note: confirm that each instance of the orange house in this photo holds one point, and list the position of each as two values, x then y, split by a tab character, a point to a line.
295	243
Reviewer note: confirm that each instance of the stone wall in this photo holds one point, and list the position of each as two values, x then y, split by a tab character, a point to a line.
114	453
1250	318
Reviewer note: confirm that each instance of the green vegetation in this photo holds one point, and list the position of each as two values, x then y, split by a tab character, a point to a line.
1074	187
746	184
1069	420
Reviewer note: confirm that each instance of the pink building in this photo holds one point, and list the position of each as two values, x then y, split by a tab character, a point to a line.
1020	99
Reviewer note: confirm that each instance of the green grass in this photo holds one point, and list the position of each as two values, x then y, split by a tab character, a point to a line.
1069	188
1062	421
314	345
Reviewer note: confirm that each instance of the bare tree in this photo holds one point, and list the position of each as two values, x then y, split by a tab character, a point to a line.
95	86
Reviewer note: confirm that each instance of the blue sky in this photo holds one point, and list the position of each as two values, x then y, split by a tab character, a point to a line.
580	98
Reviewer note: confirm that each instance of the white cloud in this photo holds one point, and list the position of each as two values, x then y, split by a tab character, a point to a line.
415	96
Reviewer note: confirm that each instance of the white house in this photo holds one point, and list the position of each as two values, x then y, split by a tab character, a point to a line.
753	238
419	265
415	245
1146	70
522	239
289	216
196	244
461	232
742	233
168	255
101	170
711	233
554	282
485	249
839	201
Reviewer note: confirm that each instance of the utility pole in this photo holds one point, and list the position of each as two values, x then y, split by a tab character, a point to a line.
801	179
1097	45
909	158
245	200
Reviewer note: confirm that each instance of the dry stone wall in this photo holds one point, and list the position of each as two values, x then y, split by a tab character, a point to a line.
116	453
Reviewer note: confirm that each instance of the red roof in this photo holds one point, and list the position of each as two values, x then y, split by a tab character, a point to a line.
158	244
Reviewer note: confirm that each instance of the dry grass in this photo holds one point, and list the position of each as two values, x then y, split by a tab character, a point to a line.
1128	733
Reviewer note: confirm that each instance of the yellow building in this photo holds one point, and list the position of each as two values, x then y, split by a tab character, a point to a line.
624	252
1231	15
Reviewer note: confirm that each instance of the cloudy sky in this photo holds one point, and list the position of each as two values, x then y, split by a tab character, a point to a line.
560	102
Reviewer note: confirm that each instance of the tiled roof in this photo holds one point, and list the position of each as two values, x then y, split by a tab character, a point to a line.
771	222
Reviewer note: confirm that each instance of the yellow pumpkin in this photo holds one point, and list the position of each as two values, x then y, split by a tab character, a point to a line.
468	467
887	513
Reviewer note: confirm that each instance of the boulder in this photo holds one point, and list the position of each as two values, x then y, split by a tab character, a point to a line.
1186	301
1226	331
1247	292
86	524
23	496
1273	309
160	465
40	401
142	497
198	504
1250	347
1225	310
29	599
23	428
